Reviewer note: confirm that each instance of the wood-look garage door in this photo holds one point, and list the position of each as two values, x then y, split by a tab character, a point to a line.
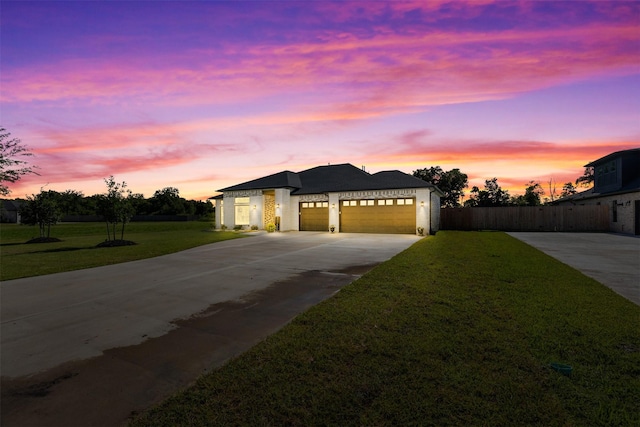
314	216
393	216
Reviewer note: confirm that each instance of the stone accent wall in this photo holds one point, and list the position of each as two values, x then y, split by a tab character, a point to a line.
269	209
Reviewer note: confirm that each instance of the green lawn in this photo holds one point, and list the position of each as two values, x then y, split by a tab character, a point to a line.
460	329
78	247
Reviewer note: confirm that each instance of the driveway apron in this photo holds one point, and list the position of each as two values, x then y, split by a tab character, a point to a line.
611	259
93	347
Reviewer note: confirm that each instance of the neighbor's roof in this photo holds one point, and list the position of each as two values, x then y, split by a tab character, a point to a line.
332	178
632	151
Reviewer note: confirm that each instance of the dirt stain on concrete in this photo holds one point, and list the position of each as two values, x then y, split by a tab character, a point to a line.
108	390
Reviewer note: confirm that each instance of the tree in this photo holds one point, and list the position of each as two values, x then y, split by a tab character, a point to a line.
492	195
115	207
587	178
167	202
70	202
452	183
41	209
12	168
568	189
532	193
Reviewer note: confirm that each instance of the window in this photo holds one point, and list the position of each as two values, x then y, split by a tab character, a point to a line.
614	206
305	205
607	174
242	211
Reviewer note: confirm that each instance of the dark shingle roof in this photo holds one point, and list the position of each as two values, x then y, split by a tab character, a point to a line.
632	152
285	179
333	178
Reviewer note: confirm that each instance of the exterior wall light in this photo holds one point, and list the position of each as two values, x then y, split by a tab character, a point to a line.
333	205
254	207
422	203
278	206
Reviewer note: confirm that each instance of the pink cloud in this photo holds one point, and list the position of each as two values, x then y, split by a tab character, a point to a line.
384	73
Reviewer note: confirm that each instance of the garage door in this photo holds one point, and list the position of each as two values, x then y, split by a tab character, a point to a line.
314	216
378	216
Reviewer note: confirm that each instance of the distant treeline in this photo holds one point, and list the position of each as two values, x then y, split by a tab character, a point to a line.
165	203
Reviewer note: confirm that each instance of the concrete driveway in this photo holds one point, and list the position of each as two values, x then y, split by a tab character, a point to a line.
611	259
114	340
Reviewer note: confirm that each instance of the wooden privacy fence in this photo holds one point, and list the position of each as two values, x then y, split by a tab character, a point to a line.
593	218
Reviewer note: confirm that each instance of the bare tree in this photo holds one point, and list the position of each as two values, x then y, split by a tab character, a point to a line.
552	189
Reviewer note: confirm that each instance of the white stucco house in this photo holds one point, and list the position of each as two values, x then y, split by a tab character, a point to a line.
342	197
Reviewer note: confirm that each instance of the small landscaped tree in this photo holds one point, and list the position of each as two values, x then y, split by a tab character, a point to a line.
42	210
116	208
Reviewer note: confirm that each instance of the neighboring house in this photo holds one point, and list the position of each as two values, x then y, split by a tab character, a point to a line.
617	185
342	196
10	211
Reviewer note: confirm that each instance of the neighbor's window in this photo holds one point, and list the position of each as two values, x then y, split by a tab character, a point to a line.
607	173
243	212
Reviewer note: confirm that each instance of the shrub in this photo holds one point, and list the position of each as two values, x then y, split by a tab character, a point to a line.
271	227
254	227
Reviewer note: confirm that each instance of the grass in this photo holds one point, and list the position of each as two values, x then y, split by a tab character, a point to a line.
78	247
459	329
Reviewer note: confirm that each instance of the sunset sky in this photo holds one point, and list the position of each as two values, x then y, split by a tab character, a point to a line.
200	95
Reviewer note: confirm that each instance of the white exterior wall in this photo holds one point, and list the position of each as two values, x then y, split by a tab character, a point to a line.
423	209
229	212
218	212
435	212
334	211
294	203
284	209
256	215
